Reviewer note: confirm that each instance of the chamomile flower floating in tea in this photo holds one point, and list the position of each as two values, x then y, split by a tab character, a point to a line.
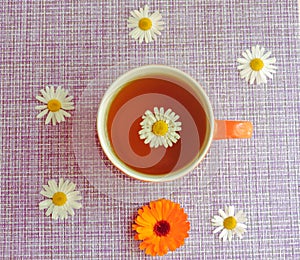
162	226
56	102
160	128
229	223
145	27
62	199
256	65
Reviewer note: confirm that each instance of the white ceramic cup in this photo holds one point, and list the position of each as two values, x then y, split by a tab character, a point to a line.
218	129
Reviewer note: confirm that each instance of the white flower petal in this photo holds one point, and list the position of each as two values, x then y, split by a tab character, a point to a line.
41	114
266	56
243	61
223	214
230	235
48	189
67	106
250	75
69	209
73	198
249	54
261	52
239	231
49	117
142	36
138	14
241	216
48	194
156	16
243	66
50	210
41	107
52	92
218	229
43	100
246	72
46	94
230	210
64	186
60	183
65	114
134	15
169	117
54	121
58	116
70	187
224	234
62	96
75	204
53	185
270	61
45	204
253	77
73	195
218	221
137	33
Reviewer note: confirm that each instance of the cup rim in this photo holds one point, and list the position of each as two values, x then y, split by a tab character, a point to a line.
103	109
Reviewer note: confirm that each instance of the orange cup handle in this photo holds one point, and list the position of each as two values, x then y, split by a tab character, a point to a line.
226	129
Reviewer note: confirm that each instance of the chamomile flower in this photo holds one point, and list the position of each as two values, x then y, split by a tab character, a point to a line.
256	65
62	199
160	128
56	102
229	223
145	26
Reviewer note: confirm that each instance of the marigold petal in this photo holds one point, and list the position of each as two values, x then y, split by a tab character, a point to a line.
175	242
156	209
179	236
156	242
148	216
180	227
135	226
162	247
144	232
142	222
174	213
140	211
166	209
149	245
179	217
149	250
143	245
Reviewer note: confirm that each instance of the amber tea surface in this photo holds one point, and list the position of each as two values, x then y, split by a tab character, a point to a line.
125	115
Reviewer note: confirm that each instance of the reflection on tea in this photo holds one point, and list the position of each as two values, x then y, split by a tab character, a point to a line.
125	115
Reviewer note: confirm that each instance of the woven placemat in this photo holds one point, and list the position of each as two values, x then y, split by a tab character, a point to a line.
71	44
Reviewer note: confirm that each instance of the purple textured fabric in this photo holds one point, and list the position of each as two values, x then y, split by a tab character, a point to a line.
71	43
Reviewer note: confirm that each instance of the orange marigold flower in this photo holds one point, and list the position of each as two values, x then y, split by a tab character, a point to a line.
162	226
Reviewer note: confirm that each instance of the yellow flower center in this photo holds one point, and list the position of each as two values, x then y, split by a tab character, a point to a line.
59	198
145	24
256	64
54	105
160	128
229	223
